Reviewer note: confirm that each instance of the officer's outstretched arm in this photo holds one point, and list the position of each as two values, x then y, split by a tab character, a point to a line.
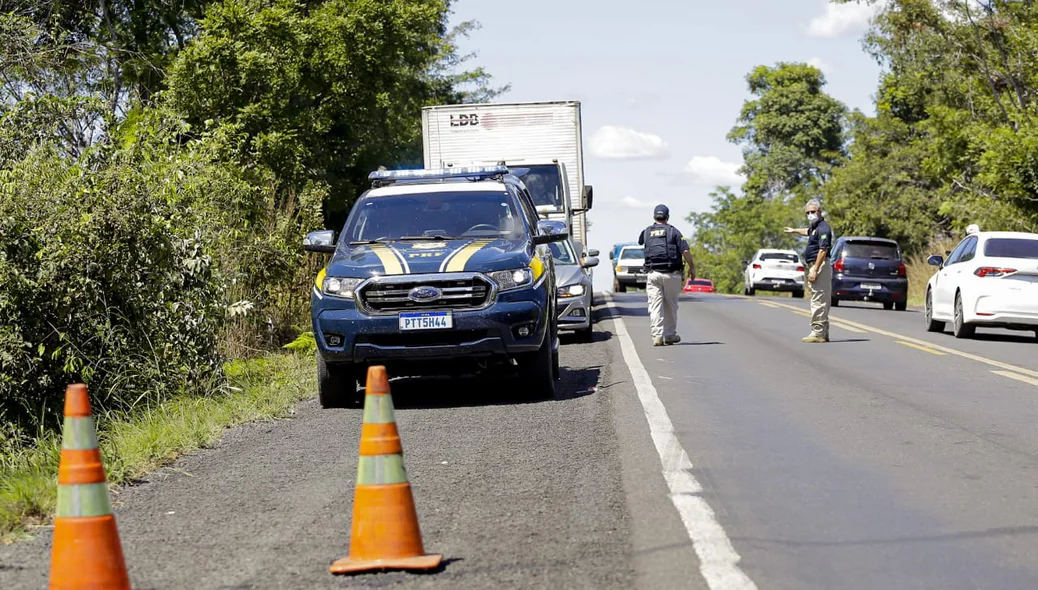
687	255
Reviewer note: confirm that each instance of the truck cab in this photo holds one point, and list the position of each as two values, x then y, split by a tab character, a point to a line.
436	272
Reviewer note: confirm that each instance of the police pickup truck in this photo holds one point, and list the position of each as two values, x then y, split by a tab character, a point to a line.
436	272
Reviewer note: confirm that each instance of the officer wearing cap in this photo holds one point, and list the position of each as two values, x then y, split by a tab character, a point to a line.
664	250
820	272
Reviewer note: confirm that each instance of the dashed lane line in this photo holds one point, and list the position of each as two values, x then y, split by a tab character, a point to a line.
718	560
807	315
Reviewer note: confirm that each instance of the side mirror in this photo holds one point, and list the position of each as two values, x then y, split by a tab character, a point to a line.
320	241
745	262
935	260
588	197
611	254
589	262
592	252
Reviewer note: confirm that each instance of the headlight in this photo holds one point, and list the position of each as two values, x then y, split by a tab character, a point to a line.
513	279
619	269
571	291
339	287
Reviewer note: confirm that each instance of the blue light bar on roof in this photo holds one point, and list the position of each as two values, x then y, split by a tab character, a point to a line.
460	172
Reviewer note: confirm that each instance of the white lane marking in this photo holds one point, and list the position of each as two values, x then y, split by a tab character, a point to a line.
718	560
1021	378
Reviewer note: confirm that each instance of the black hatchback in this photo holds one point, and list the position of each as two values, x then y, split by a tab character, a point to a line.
869	269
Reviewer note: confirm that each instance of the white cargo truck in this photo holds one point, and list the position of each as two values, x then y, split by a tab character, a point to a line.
539	141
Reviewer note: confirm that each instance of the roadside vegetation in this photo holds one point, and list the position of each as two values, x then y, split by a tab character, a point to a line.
952	142
159	166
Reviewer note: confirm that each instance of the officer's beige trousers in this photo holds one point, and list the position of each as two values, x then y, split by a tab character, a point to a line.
663	289
821	300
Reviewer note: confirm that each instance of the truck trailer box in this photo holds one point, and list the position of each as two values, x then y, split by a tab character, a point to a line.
540	141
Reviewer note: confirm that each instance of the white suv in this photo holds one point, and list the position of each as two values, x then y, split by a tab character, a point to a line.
774	270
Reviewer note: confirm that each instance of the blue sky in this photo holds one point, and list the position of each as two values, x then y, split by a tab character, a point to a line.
661	83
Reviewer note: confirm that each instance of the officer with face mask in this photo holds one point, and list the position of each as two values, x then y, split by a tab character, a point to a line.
820	272
664	250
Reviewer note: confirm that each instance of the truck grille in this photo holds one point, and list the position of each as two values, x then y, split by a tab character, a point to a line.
391	294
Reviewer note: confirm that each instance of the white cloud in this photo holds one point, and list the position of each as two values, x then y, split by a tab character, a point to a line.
841	19
820	64
634	203
620	143
713	171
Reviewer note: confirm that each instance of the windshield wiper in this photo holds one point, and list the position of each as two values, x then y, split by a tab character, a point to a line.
420	238
364	242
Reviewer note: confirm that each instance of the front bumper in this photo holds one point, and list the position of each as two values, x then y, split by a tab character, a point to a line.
346	335
630	278
575	312
869	289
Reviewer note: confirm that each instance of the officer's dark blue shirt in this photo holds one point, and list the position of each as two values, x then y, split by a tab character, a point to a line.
664	245
819	237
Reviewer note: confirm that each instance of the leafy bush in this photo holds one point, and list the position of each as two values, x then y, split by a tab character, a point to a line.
116	268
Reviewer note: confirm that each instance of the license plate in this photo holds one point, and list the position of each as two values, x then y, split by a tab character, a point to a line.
871	287
778	281
426	320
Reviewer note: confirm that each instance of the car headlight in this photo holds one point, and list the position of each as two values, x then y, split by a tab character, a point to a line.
513	279
571	291
339	287
619	269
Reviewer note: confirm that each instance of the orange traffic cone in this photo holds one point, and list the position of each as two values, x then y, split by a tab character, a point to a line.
86	553
385	532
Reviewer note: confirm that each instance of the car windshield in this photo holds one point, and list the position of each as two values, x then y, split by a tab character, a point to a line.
632	254
779	256
1011	248
544	184
461	214
562	253
871	250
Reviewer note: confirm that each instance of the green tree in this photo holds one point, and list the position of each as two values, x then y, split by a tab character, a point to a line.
791	132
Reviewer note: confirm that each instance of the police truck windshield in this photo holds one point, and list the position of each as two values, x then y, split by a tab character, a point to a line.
544	184
434	215
632	254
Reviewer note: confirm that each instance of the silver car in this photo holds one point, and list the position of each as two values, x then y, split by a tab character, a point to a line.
573	277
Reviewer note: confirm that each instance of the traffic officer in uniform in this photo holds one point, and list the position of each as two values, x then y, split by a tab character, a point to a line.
820	272
664	250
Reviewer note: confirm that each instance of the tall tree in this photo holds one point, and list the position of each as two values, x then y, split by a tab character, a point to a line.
791	132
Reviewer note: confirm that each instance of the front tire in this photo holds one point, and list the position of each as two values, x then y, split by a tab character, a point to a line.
960	328
621	288
798	294
751	291
932	325
537	371
336	383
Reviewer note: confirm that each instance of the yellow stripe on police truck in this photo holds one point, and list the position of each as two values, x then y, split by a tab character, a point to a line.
390	263
458	261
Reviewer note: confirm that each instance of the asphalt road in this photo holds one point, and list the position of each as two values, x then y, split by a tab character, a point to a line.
739	458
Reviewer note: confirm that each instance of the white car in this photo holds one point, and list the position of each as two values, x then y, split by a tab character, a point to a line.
989	279
774	270
630	269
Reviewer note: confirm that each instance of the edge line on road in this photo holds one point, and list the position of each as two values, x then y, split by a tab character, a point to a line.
935	346
718	559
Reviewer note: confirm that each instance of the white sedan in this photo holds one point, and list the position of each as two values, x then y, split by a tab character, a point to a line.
989	279
774	270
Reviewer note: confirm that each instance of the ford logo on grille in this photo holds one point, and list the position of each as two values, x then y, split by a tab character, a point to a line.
424	294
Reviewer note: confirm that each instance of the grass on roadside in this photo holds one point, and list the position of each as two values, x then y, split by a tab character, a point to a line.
262	388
